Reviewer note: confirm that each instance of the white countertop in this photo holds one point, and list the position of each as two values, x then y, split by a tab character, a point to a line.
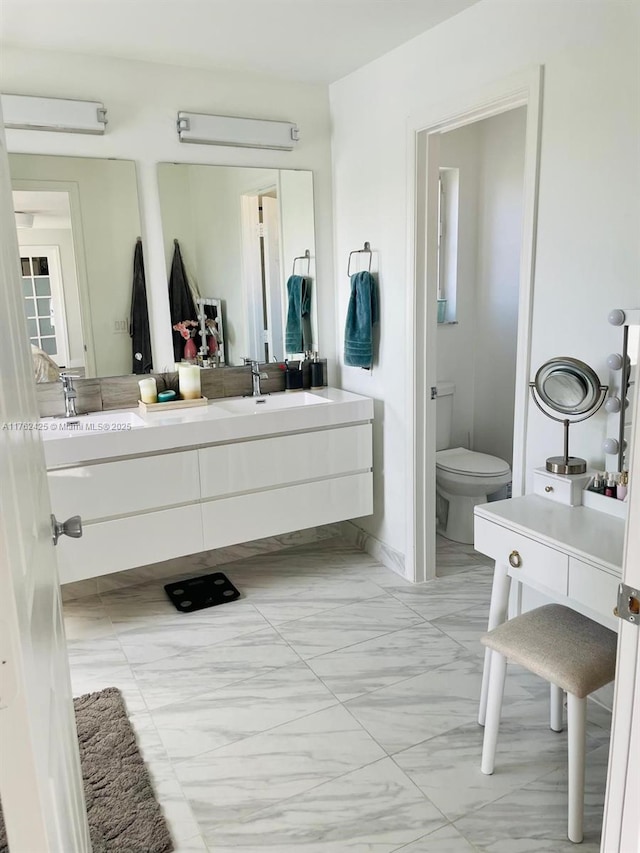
585	533
200	425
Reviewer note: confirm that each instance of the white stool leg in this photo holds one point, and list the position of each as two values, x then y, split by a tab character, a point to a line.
556	699
576	725
494	707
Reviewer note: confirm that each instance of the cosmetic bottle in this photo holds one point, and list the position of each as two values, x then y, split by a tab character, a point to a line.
623	485
597	484
317	372
610	486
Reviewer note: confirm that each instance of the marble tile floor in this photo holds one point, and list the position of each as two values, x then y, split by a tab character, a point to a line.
332	709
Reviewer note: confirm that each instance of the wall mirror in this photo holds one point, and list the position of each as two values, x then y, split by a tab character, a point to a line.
239	231
77	221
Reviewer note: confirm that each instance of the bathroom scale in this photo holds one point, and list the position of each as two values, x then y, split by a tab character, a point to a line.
204	591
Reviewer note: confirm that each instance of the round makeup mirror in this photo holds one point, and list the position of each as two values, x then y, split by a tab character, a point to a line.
571	388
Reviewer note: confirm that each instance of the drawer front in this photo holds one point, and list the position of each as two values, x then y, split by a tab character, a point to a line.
126	487
594	589
265	463
539	565
112	546
561	491
242	518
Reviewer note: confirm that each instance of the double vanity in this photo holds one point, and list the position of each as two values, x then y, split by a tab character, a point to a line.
165	484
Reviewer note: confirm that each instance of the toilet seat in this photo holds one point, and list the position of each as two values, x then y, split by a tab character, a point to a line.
459	460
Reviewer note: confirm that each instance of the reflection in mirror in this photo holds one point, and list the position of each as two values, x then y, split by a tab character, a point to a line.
565	389
78	222
239	230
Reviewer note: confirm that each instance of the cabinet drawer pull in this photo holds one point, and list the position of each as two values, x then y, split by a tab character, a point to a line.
548	489
515	560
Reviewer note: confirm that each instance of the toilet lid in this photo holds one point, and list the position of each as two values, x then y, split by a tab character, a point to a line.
462	461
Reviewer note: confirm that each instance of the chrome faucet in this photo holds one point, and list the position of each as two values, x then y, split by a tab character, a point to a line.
70	395
256	376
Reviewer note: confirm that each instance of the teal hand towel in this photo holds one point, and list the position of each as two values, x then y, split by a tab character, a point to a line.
298	331
362	313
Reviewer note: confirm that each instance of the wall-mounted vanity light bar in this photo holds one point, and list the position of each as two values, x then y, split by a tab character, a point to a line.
25	112
237	132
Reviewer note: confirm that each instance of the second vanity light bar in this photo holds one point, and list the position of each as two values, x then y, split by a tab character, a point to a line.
237	132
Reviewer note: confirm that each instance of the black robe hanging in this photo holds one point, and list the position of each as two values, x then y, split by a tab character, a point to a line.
139	318
181	302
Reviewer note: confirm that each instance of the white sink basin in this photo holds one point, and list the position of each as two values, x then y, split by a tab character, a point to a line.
97	423
269	403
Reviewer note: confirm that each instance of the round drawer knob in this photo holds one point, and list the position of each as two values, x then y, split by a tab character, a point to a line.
515	560
548	489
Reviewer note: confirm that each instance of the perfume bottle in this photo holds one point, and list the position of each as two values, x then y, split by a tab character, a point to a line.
610	486
623	486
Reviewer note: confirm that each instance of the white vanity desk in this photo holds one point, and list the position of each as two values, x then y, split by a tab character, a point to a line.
572	555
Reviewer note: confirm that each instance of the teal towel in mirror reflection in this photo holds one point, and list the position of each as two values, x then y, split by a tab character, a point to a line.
298	332
362	313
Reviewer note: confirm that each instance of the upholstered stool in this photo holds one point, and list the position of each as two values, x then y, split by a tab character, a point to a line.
568	650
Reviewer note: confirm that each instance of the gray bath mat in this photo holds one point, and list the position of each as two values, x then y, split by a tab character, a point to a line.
124	815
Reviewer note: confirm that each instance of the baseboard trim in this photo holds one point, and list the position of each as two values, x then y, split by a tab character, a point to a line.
385	554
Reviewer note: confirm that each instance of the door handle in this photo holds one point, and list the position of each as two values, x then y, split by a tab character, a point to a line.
71	527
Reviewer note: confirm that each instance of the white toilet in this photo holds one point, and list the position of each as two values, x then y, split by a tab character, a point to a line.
464	478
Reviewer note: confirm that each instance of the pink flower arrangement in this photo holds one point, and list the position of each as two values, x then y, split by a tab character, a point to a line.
187	328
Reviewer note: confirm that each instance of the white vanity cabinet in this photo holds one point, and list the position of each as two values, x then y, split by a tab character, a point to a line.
202	489
276	485
134	512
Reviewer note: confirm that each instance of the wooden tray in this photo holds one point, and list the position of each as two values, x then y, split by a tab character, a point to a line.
172	404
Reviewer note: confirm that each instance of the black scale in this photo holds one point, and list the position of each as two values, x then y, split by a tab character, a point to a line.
204	591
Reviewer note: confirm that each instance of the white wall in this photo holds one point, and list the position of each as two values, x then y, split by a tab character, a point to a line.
588	253
142	100
498	270
456	344
478	353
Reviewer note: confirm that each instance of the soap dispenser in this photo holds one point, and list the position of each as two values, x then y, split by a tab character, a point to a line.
317	373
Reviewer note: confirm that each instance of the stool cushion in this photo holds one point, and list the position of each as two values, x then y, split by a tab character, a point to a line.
560	645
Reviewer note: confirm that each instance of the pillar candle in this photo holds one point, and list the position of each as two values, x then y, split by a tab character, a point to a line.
148	390
189	381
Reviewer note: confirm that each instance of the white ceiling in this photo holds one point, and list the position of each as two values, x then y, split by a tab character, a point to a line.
306	40
49	209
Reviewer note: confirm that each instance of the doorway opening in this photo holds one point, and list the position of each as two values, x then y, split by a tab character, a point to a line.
440	215
479	233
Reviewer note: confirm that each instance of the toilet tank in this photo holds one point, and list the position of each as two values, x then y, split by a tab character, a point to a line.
444	414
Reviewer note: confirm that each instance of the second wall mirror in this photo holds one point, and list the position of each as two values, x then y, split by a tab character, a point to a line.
239	230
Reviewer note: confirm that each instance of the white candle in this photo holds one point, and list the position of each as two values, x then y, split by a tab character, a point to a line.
189	381
148	390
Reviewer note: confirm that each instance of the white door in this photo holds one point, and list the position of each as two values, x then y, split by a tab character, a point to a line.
621	825
43	297
273	287
40	780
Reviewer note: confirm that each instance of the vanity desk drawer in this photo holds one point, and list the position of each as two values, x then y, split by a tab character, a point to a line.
527	560
594	589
